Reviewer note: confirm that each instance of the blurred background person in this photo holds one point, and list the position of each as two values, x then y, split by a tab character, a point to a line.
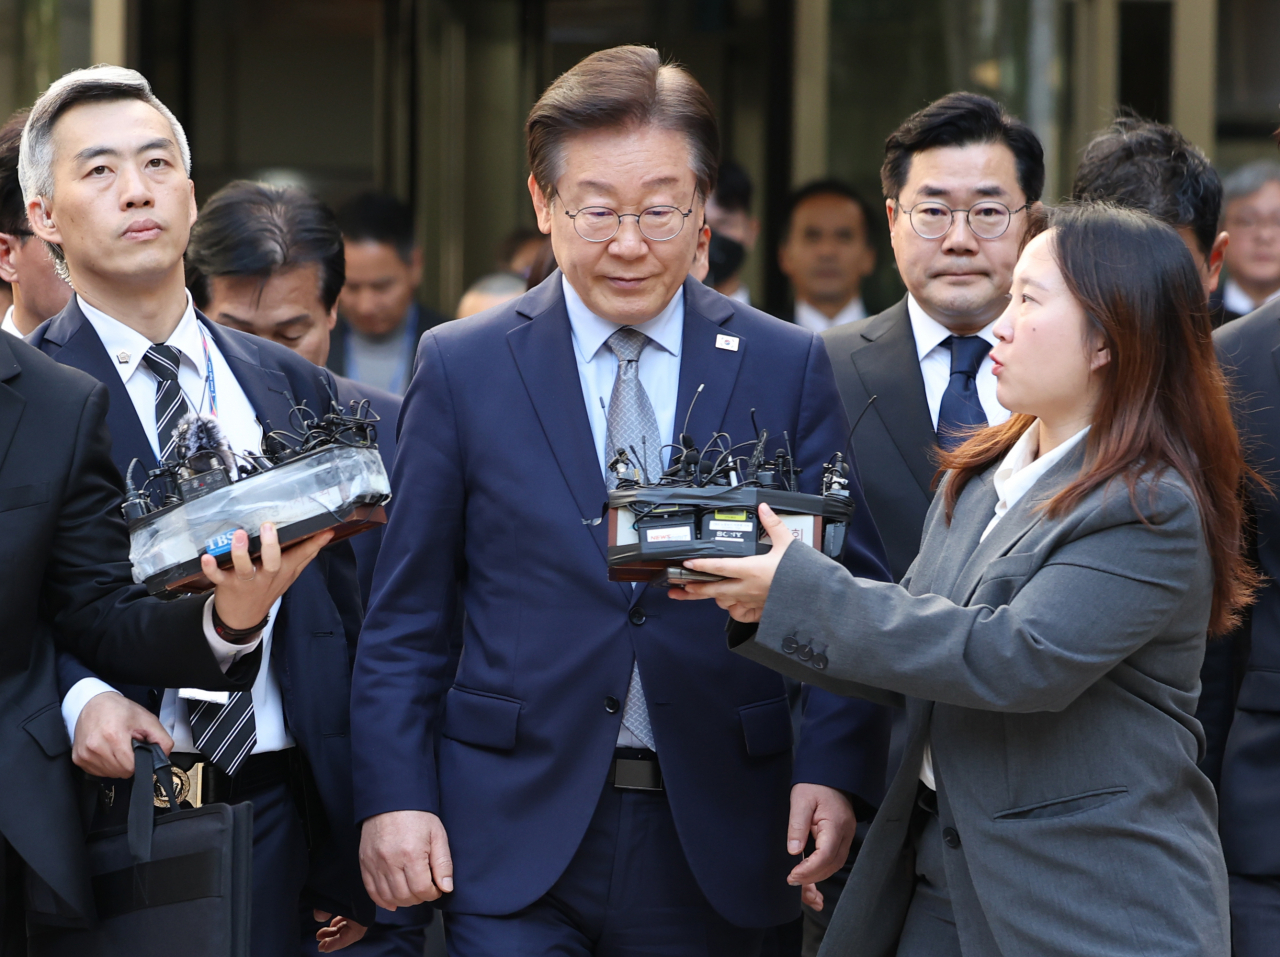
35	291
268	260
379	322
544	264
826	253
489	291
734	231
925	359
518	250
1141	164
1251	218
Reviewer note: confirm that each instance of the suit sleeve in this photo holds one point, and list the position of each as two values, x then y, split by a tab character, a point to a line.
404	660
1037	653
99	614
844	742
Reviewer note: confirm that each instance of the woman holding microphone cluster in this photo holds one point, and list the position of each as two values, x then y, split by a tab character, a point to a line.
1047	641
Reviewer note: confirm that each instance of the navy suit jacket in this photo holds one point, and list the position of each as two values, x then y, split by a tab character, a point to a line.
1240	700
314	637
499	495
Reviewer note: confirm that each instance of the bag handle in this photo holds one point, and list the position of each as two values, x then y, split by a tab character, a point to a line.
148	759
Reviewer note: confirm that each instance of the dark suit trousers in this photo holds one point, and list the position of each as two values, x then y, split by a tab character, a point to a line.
13	920
279	871
628	891
1255	915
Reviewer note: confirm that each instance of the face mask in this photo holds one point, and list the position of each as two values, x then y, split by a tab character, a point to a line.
725	257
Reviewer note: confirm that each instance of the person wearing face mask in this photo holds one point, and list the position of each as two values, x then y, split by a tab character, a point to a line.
608	778
1047	641
733	232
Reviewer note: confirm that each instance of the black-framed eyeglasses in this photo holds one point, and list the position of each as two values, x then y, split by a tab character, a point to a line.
987	220
599	224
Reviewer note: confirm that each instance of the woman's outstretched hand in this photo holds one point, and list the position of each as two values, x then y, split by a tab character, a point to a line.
747	580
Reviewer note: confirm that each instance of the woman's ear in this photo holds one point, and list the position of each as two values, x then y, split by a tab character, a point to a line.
1101	356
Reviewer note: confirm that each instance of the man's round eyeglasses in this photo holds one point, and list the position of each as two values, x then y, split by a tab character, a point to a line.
989	220
599	224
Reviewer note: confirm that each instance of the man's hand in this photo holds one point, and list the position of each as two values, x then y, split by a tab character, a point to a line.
404	857
747	580
244	593
340	932
105	731
829	816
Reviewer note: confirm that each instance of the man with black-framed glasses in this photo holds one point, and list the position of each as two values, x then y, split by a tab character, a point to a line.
959	179
601	776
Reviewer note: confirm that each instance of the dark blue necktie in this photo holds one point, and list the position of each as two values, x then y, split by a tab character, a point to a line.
961	410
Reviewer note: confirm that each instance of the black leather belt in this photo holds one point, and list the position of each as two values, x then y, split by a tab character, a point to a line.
635	769
208	784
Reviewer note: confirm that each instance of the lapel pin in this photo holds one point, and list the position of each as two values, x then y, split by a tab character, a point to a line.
727	342
122	357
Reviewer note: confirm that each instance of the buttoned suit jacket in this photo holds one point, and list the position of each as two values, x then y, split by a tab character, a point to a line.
1242	703
316	628
499	499
894	440
1054	668
65	576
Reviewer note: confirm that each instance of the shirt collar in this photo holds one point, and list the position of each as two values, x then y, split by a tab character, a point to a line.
815	320
1020	469
127	346
8	325
930	333
666	329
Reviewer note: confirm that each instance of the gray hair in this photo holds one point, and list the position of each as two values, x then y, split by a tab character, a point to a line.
1250	178
96	83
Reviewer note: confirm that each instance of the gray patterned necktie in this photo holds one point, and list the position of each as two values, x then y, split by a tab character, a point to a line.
632	425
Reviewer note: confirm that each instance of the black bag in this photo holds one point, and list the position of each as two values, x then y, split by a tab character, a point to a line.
174	883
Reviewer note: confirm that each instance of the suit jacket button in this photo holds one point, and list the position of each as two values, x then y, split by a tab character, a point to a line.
805	652
637	615
611	704
819	661
789	644
950	837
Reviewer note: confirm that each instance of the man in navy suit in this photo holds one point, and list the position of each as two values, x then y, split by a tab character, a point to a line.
607	779
105	172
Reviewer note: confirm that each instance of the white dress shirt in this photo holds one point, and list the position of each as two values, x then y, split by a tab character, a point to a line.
8	325
935	364
1235	299
598	367
1017	473
742	294
807	317
240	425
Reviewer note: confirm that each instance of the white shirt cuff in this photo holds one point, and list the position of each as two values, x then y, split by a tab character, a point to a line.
78	697
225	652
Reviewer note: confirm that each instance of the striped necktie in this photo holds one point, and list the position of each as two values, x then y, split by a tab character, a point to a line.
171	404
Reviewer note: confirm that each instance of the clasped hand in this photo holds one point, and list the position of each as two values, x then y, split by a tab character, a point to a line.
746	584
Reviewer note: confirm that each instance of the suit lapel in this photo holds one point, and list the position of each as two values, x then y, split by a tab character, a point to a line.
702	363
890	369
1025	515
267	389
11	402
80	348
543	353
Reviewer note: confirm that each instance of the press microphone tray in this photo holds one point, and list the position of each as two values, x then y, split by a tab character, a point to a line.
337	487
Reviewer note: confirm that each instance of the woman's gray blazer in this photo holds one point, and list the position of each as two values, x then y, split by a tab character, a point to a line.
1055	669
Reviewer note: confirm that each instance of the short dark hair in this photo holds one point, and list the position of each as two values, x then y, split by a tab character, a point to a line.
256	229
962	119
733	188
380	218
825	187
13	211
1141	164
621	87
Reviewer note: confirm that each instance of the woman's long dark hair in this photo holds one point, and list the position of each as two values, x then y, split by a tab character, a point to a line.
1164	400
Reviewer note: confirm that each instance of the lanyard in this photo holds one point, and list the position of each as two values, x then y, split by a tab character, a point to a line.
209	384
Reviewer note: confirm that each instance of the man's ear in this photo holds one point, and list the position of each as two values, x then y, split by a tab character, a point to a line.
1213	266
541	205
8	246
331	320
40	218
415	267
